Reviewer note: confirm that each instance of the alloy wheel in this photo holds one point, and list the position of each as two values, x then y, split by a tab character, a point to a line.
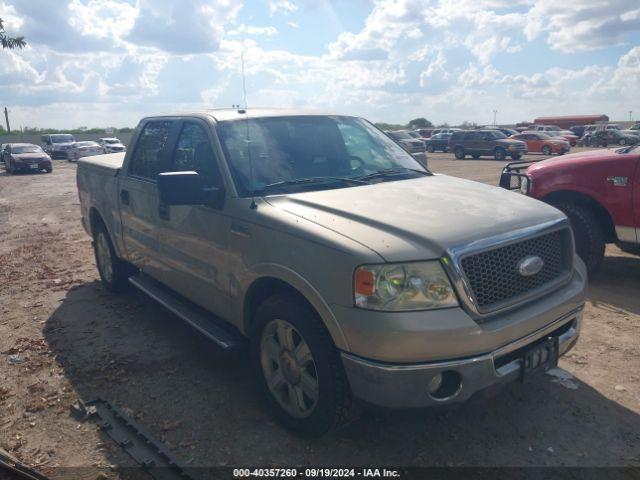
289	368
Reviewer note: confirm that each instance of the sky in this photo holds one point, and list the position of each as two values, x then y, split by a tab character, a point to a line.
110	62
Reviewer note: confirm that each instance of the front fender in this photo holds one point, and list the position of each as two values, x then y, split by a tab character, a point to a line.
306	289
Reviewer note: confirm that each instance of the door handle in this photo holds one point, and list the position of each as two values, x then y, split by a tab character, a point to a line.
124	197
163	211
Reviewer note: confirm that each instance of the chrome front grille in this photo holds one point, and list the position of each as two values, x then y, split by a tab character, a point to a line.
493	276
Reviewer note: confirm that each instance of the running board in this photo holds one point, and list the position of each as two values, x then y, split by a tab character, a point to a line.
224	335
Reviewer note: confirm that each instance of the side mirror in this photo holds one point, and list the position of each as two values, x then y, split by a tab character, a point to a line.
188	188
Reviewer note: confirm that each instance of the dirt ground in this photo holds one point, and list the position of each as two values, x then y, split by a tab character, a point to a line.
63	338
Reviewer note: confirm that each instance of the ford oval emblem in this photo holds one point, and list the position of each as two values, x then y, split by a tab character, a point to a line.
529	266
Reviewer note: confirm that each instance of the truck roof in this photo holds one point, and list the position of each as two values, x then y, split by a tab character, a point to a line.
224	114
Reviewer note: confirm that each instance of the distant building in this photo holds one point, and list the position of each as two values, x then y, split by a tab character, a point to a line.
571	120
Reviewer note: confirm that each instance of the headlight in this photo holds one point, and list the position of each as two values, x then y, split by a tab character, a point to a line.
403	286
525	185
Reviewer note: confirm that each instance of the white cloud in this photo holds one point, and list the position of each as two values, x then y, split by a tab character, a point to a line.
188	26
282	6
253	30
580	25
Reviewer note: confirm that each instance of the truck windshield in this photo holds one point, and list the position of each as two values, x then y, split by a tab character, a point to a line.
266	151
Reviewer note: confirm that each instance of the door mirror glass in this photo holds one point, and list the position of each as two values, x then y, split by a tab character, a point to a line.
188	188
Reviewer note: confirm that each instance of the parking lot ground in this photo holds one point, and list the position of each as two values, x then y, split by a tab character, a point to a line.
63	337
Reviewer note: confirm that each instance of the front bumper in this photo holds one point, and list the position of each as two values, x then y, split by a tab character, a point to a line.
406	386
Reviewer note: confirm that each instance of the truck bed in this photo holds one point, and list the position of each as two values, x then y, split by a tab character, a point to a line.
110	161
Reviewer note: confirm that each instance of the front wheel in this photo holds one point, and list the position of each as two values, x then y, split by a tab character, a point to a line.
430	148
546	150
587	233
298	367
499	154
459	153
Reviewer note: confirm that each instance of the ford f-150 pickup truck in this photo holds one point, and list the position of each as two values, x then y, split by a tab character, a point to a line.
352	272
599	191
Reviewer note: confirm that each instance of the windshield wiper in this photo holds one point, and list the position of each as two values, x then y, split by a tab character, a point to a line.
312	180
628	148
390	172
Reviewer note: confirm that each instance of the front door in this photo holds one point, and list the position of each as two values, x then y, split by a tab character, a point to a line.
139	196
194	239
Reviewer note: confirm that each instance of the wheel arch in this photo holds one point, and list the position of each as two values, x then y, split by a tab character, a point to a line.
582	199
275	279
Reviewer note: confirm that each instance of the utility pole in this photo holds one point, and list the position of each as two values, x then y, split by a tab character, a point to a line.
495	112
6	117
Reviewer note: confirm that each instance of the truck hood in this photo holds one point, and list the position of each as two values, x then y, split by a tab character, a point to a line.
573	159
419	218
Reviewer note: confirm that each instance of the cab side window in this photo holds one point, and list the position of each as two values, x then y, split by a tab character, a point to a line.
147	158
194	153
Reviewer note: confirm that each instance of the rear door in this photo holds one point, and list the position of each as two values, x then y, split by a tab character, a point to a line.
194	239
139	206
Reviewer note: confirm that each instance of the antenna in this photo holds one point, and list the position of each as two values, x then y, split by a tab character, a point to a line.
253	205
244	83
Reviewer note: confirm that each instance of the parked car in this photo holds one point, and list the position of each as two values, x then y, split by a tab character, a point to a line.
507	131
439	141
597	190
612	136
578	130
111	145
425	132
445	130
414	146
352	272
635	128
540	142
556	131
83	149
485	142
56	145
404	137
26	157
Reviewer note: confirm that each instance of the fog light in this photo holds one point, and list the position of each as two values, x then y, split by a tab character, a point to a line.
445	385
435	383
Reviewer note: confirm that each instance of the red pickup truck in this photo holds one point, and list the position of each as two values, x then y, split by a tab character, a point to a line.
598	190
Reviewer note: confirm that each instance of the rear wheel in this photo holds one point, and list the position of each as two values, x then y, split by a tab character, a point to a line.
588	234
546	150
113	271
622	141
298	367
459	153
499	154
430	148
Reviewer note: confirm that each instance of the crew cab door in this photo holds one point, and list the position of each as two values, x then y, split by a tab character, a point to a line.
139	195
194	239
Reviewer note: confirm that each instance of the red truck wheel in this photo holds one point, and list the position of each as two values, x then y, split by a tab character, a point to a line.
588	235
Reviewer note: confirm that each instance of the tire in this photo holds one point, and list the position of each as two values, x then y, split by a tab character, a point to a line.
113	271
622	141
588	235
516	156
333	404
48	170
430	148
499	154
546	150
475	156
459	153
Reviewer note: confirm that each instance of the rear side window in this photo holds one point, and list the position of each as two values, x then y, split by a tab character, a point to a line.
194	153
147	158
